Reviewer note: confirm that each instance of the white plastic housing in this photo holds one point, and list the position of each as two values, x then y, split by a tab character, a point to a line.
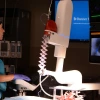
73	77
61	38
26	98
25	84
64	17
63	21
81	87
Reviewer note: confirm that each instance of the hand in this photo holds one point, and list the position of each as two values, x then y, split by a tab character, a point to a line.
20	76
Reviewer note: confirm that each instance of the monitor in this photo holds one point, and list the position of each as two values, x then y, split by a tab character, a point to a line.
94	11
94	52
80	26
4	49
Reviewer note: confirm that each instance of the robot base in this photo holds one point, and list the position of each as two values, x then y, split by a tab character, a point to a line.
26	98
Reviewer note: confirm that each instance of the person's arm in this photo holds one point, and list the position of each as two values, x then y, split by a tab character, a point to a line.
6	78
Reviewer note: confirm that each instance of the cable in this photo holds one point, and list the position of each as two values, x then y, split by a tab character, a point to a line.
48	15
50	4
39	93
41	18
13	16
49	12
43	89
42	81
11	30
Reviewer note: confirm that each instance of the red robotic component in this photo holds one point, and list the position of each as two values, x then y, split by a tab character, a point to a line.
66	96
51	26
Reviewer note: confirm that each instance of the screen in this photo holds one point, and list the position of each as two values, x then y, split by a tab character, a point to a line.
18	48
94	10
12	48
80	20
94	47
4	47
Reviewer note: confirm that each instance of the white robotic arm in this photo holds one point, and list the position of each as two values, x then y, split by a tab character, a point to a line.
60	39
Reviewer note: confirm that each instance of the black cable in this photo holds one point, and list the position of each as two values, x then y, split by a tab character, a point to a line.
11	31
13	16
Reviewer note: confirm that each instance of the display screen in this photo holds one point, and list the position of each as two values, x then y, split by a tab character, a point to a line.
94	47
94	10
12	48
18	49
4	46
80	25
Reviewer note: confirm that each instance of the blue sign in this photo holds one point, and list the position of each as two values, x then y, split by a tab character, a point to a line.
80	25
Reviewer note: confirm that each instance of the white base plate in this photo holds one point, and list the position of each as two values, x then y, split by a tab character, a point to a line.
26	98
82	87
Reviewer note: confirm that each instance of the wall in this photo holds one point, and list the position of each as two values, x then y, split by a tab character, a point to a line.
25	4
22	32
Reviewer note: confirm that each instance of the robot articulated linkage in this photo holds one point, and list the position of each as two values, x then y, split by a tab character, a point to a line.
57	33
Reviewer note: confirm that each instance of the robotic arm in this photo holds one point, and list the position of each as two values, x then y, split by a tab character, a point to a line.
57	33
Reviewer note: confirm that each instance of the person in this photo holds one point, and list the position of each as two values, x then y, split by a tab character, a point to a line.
6	78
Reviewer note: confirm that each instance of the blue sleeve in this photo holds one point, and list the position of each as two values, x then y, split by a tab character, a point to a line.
2	72
3	86
2	69
0	95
